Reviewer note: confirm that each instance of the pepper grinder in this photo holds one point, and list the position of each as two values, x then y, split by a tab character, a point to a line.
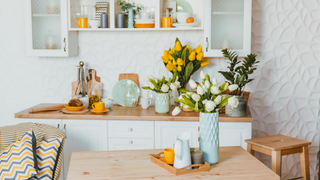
104	20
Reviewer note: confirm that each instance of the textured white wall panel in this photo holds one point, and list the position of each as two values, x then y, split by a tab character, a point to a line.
285	95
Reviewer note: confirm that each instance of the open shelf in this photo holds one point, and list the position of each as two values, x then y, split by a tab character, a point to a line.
135	29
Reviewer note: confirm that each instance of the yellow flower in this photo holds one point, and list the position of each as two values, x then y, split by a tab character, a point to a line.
180	62
192	56
173	50
199	49
166	53
189	49
205	59
171	58
205	63
200	56
179	68
165	59
170	67
178	46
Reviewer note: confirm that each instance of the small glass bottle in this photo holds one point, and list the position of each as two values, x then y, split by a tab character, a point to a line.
94	95
131	94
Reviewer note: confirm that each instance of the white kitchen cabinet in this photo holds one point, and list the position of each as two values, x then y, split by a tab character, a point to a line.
47	29
130	144
84	135
131	129
234	134
228	25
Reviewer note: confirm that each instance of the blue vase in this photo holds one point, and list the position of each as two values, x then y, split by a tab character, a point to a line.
209	137
130	18
162	103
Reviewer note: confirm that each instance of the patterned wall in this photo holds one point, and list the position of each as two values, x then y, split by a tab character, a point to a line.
285	95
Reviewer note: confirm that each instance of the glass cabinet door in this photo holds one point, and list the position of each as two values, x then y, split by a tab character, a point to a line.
228	25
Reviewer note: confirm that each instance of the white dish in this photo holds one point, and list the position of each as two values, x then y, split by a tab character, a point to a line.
183	25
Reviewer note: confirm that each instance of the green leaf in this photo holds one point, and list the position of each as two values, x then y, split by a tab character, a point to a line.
182	90
147	88
221	88
197	107
223	103
189	70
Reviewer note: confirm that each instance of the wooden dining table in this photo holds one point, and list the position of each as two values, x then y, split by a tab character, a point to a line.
234	163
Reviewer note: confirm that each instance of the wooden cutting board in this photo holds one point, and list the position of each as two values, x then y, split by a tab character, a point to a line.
131	76
83	111
94	79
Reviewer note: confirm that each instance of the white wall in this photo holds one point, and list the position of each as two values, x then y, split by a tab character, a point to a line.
285	94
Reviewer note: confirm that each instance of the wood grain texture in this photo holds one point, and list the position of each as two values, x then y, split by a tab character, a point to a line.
124	113
46	108
304	160
276	162
235	163
278	142
131	76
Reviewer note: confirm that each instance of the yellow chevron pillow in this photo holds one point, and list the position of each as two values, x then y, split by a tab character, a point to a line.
47	153
18	161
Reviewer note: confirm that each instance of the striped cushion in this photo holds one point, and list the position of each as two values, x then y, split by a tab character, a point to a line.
18	161
47	153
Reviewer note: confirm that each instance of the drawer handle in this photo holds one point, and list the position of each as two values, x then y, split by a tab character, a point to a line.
130	129
130	142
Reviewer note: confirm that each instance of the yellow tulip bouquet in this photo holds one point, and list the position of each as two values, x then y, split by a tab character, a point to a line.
182	62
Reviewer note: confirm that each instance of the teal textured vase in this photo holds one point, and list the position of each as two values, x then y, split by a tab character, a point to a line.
162	103
130	22
209	137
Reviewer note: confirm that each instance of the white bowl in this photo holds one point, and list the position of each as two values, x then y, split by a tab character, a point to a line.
94	23
182	17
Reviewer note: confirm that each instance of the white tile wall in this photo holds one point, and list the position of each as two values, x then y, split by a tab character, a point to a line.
285	95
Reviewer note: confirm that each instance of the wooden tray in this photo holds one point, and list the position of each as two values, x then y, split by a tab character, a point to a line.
202	167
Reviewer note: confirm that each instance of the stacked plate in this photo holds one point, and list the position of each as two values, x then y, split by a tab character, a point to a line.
118	91
144	23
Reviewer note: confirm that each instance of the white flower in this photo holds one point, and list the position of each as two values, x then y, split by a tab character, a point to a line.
196	97
233	87
186	106
174	86
147	79
226	86
176	111
210	105
233	102
177	78
202	75
200	90
218	100
180	97
205	101
214	82
193	84
189	93
165	88
151	85
215	90
207	84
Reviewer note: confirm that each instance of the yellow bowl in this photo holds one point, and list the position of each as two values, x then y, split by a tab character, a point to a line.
70	108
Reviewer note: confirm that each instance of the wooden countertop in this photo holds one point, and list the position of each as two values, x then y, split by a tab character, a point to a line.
124	113
234	163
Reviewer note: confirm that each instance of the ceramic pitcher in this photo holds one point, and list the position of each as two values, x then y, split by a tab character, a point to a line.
182	151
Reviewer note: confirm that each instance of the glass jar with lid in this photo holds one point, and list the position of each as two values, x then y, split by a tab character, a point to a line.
131	94
94	95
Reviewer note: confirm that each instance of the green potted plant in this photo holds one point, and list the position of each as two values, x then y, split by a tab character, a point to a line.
239	72
126	5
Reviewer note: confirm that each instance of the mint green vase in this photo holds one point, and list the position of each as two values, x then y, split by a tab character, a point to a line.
162	103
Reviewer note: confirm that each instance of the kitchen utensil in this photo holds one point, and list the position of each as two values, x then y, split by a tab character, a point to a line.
108	102
169	155
184	25
131	94
167	22
47	108
118	91
98	106
104	20
85	101
182	151
94	95
79	88
145	102
131	76
120	20
71	108
82	22
99	112
94	79
83	111
183	6
94	24
182	17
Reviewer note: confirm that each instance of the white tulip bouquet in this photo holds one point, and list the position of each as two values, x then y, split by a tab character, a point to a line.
208	99
162	85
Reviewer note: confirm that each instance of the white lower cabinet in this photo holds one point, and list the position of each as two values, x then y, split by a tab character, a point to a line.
84	135
234	134
130	144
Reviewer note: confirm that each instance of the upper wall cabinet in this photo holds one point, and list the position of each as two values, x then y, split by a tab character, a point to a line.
227	25
47	29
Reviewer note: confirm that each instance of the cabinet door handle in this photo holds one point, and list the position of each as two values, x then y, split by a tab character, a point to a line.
130	129
130	142
198	128
58	126
65	44
64	126
207	44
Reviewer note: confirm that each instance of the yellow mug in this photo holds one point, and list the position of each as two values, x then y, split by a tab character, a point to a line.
169	155
98	106
167	22
82	22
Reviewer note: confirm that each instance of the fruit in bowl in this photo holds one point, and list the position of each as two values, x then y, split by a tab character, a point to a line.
190	20
74	105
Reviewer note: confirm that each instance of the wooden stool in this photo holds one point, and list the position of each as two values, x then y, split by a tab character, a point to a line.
279	145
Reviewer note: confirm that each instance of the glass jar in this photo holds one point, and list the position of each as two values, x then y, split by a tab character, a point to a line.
94	95
131	94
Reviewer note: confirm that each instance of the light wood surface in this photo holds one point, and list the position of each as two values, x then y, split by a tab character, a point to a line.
278	142
46	108
234	163
304	161
83	111
276	162
124	113
132	77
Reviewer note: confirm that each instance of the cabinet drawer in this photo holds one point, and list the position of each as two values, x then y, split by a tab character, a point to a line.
131	129
130	144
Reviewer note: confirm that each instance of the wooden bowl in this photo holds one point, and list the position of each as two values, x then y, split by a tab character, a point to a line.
70	108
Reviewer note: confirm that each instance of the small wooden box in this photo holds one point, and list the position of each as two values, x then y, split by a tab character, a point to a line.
202	167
